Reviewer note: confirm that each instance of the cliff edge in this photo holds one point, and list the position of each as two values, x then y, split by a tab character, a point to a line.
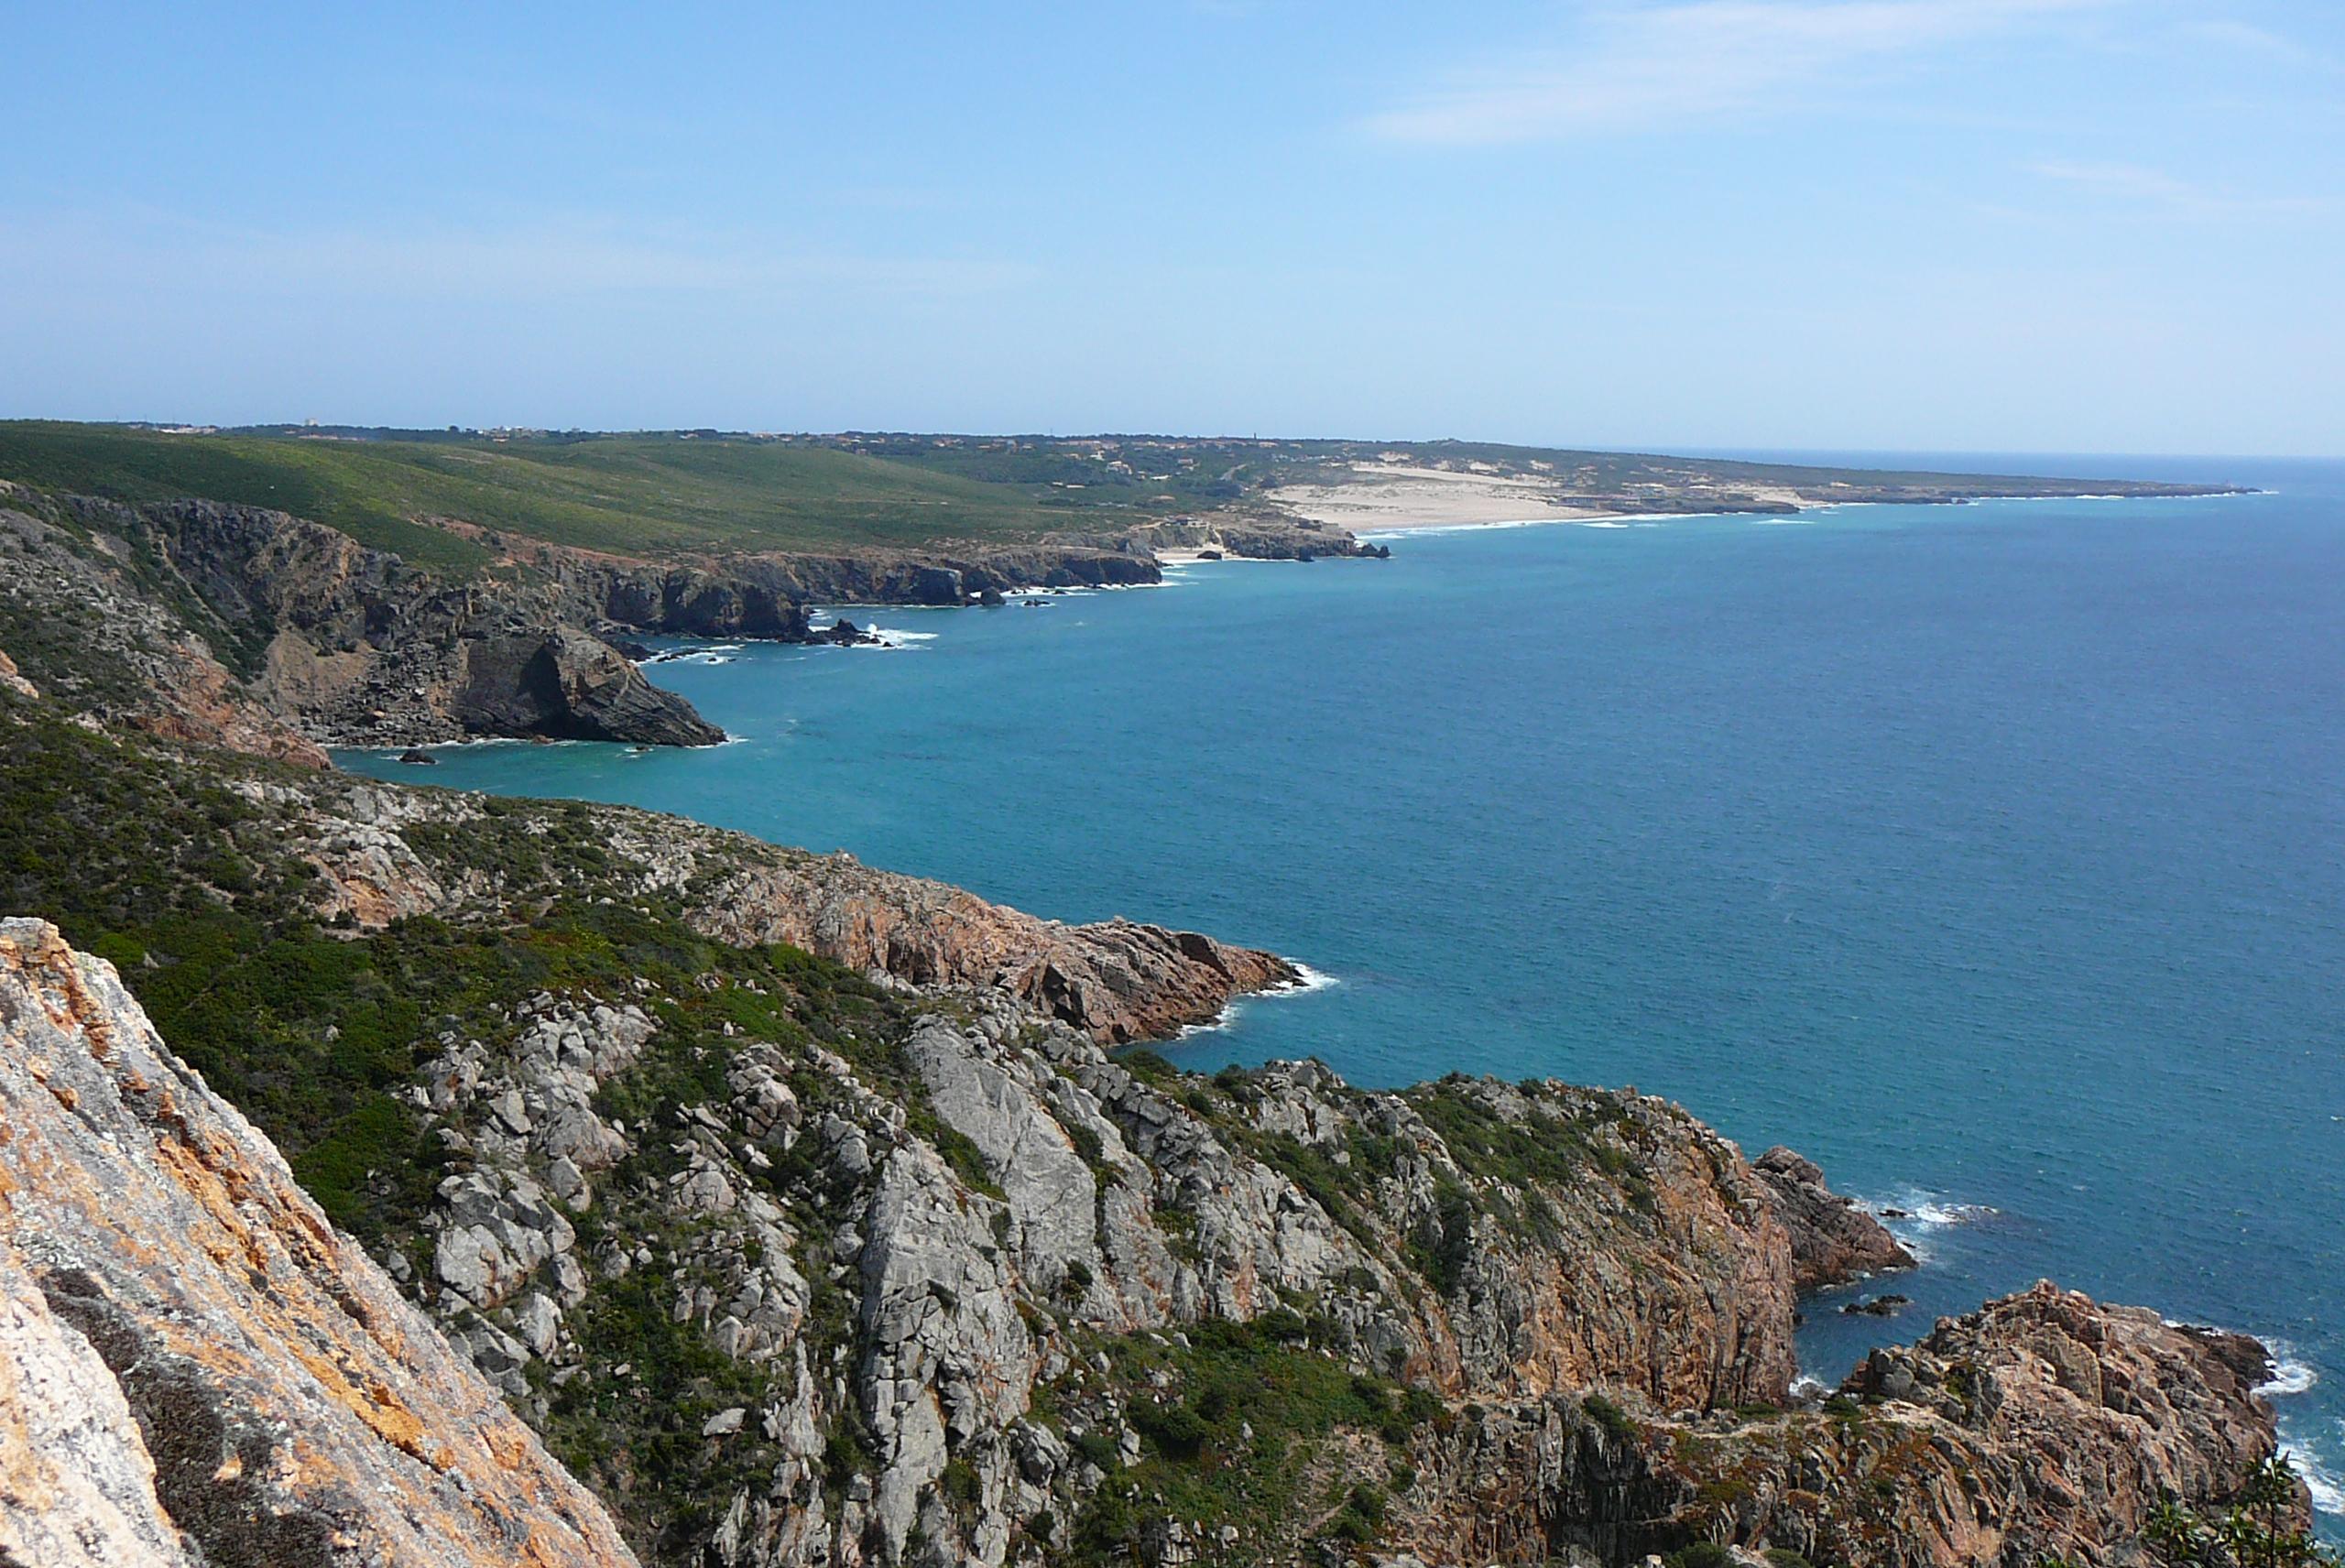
197	1368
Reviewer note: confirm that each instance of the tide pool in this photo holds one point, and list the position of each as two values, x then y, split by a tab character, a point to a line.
1992	856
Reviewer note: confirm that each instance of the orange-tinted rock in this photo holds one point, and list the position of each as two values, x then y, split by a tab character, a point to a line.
294	1410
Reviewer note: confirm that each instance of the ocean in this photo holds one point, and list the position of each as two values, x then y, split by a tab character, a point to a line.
1992	856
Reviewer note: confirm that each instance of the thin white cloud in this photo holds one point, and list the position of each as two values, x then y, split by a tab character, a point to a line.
1639	68
2157	191
2247	39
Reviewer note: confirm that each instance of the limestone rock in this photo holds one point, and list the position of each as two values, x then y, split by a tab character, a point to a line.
77	1483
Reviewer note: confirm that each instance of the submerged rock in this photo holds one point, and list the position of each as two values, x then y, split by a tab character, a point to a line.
845	633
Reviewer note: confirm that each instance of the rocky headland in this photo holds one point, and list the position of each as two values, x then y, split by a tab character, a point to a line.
811	1214
980	1292
249	628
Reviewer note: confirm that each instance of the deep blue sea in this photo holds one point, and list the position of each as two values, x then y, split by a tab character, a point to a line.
1992	856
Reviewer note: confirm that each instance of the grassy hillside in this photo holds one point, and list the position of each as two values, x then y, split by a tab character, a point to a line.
636	493
658	493
1203	471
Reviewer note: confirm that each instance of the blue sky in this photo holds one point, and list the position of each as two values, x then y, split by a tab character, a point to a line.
2112	226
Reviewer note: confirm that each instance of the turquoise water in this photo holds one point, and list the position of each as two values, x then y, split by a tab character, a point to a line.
1992	856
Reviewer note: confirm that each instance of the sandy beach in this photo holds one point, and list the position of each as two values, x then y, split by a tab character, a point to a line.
1389	499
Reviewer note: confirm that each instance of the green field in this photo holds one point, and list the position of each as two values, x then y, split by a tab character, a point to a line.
645	495
669	493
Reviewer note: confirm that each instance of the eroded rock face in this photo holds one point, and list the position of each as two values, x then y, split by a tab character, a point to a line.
2043	1426
1084	1199
1833	1238
1119	981
224	1378
248	628
76	1482
566	685
104	647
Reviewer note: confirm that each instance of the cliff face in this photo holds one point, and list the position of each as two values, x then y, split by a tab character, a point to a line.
242	627
979	1292
361	647
253	630
83	616
956	1249
2043	1426
566	685
199	1368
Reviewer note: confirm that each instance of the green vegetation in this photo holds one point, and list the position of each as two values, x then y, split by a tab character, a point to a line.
150	859
633	493
2258	1530
1249	1425
1701	1554
1612	1418
688	492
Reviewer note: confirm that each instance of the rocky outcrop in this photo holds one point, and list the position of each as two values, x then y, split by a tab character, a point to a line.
901	1275
1119	981
1021	1192
1253	535
2043	1426
200	1370
249	629
1833	1238
82	612
566	685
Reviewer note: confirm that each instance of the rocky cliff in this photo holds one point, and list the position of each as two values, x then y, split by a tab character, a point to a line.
376	852
197	1368
814	1216
251	629
1832	1241
242	627
979	1292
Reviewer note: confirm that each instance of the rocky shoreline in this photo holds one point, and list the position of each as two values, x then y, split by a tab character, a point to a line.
238	621
1612	1381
